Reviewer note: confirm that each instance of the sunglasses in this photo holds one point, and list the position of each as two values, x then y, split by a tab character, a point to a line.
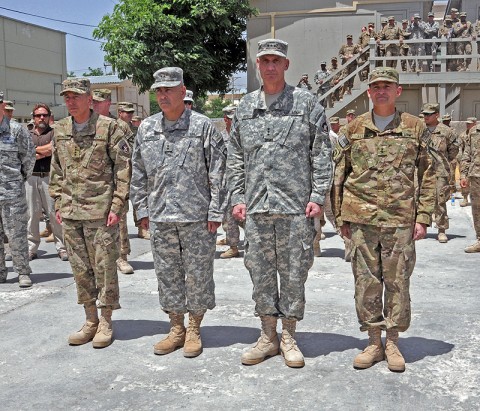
41	115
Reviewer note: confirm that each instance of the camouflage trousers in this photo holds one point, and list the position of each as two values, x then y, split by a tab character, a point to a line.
464	48
417	50
474	183
183	255
441	198
93	254
13	224
382	263
391	50
282	243
123	236
231	227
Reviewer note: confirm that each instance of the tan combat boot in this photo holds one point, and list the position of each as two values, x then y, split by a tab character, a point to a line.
395	359
88	330
50	239
230	253
288	346
374	351
266	346
223	241
175	338
474	248
123	266
317	251
46	232
103	337
464	202
142	233
442	237
193	341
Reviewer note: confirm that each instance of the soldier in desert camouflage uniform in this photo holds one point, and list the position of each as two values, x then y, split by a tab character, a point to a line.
471	123
374	201
17	159
178	169
89	181
279	171
347	53
391	32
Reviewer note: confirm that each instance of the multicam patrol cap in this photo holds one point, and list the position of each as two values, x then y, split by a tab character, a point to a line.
349	36
334	120
137	118
167	77
125	106
391	17
276	47
188	96
446	117
371	24
472	120
387	74
229	111
349	112
454	10
430	108
102	94
448	17
384	20
79	85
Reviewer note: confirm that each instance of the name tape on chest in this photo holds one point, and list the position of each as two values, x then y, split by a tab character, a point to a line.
343	141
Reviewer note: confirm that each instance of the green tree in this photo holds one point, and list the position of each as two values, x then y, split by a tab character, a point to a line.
213	108
93	72
71	74
203	37
154	107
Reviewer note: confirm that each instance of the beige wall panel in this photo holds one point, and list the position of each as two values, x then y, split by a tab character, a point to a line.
28	58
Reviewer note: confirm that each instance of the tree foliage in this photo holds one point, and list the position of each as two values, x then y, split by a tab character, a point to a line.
203	37
93	72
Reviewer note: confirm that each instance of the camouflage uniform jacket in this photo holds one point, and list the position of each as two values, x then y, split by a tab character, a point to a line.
417	30
431	30
390	33
279	157
462	138
446	31
470	165
90	169
463	32
321	75
445	144
347	50
178	170
364	38
17	159
375	173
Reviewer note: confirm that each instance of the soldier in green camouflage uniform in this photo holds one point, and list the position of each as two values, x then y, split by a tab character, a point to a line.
470	177
380	162
17	159
471	123
445	143
89	181
279	171
178	168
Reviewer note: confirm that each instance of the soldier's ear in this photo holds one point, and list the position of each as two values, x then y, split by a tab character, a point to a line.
399	90
287	64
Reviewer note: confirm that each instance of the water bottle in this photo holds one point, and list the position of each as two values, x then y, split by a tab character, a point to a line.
452	201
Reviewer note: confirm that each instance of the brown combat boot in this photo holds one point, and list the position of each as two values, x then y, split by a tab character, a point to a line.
193	341
474	248
374	351
442	237
266	346
123	266
88	330
46	233
230	253
103	337
395	359
175	338
288	346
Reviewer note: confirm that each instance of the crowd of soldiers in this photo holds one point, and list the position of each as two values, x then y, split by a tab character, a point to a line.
271	170
454	25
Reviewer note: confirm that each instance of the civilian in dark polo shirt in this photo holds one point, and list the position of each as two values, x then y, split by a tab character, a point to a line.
38	198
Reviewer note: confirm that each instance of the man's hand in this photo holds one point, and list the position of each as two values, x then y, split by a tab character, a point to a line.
420	231
313	210
58	217
240	212
345	231
464	183
144	223
112	219
212	226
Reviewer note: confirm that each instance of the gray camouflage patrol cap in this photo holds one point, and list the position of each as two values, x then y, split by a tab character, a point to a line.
168	77
125	106
8	105
431	14
387	74
76	85
272	46
323	63
430	108
229	111
102	94
334	120
188	96
471	120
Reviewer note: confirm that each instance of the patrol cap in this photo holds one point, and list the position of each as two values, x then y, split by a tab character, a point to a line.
8	105
404	21
125	106
229	111
79	85
276	47
137	118
351	112
384	20
334	58
391	18
323	63
349	36
471	120
448	17
334	120
1	97
167	77
405	46
188	96
453	10
421	115
371	24
416	16
431	14
387	74
305	75
463	14
102	94
446	117
430	108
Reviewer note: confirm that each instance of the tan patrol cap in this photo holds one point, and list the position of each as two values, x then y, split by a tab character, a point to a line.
125	106
79	85
102	94
334	120
471	120
430	108
387	74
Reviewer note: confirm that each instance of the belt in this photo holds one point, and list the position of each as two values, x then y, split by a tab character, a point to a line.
40	174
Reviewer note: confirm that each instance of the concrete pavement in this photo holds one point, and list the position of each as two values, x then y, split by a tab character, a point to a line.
40	371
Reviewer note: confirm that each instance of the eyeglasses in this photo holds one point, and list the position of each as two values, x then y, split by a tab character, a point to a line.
41	115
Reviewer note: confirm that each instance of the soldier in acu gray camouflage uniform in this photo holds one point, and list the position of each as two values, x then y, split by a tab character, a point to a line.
17	159
279	170
178	168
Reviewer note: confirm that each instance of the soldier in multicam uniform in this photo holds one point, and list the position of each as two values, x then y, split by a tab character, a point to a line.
380	162
178	169
364	41
101	102
405	48
89	181
464	29
391	32
279	171
445	143
17	159
230	224
471	123
470	177
446	31
347	53
335	78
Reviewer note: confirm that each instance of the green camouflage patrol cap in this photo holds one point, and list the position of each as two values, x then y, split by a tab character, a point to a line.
351	112
272	46
471	120
188	96
102	94
8	105
334	120
80	85
167	77
430	108
446	117
125	106
229	111
387	74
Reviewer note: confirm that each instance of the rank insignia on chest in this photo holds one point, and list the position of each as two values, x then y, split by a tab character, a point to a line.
168	148
343	141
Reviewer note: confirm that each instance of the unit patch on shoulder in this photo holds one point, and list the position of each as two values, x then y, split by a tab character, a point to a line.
343	141
124	146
